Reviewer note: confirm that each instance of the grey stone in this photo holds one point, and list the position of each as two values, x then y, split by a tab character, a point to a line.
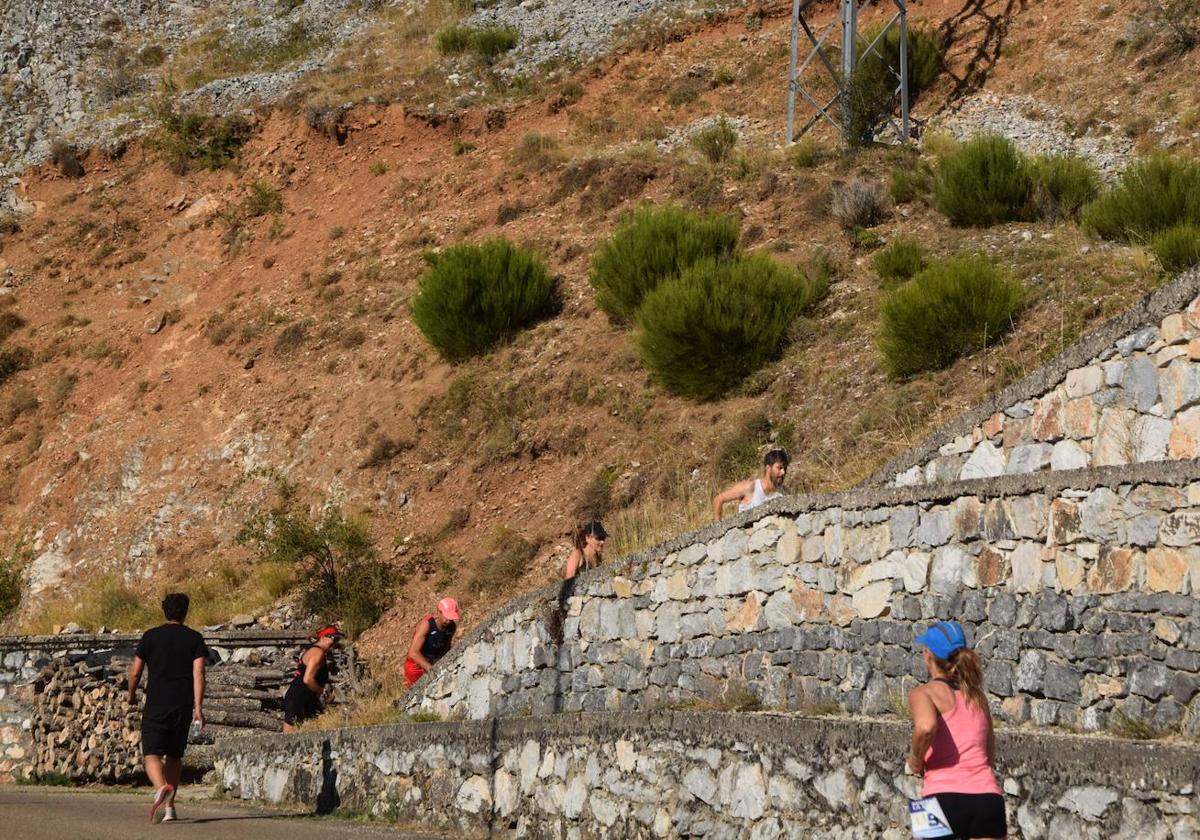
1031	671
934	529
1032	457
1139	340
1089	802
1140	381
985	462
1150	681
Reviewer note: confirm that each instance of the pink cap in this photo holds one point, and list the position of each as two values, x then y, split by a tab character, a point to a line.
449	608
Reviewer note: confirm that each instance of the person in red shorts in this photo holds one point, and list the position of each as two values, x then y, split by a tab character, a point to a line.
431	640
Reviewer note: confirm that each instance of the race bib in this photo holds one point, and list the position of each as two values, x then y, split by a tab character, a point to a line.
927	818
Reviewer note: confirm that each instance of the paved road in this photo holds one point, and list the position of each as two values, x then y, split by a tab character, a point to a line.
38	813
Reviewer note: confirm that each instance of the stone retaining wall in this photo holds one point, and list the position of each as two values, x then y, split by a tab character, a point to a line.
676	774
1127	393
62	706
1079	589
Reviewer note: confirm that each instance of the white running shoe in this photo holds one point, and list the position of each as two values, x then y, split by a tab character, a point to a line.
160	796
169	814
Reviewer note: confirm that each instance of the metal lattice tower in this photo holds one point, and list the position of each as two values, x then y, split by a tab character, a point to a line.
847	22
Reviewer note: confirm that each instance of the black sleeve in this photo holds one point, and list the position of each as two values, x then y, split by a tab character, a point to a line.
201	651
143	648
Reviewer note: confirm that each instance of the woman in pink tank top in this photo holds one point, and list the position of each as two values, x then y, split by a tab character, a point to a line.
953	745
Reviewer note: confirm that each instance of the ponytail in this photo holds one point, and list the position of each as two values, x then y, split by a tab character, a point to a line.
966	669
579	537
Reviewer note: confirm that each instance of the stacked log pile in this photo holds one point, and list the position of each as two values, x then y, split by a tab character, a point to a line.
86	730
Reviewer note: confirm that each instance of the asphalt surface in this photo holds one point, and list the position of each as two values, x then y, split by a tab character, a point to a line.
39	813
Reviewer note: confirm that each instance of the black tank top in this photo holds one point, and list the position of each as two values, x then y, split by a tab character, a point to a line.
322	675
437	641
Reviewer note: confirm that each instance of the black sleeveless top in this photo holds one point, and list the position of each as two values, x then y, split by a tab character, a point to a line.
322	675
437	641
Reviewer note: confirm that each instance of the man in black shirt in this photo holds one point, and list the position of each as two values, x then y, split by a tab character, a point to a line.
174	656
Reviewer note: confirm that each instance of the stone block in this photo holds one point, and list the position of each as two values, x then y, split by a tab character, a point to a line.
1115	441
1030	458
1017	432
1167	355
809	603
788	551
1180	528
1166	570
871	601
1151	436
1084	381
997	521
1068	455
914	569
1185	434
1173	329
1049	416
1027	573
934	527
947	570
1113	571
991	567
986	461
993	426
780	611
1090	802
1140	382
1180	386
1068	571
1150	681
1139	340
902	525
1081	418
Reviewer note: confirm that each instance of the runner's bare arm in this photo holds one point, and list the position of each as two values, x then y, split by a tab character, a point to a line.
573	561
312	663
925	726
733	493
135	676
198	690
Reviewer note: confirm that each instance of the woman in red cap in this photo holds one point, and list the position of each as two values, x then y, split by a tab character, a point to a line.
430	640
311	675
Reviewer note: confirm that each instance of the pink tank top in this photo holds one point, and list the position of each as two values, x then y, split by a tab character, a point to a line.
957	761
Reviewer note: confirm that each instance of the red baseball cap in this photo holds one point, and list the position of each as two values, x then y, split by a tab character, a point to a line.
449	608
330	630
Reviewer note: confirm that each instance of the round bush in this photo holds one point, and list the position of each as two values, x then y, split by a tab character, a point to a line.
654	244
986	181
1064	183
899	261
1153	195
706	330
1178	248
475	296
951	308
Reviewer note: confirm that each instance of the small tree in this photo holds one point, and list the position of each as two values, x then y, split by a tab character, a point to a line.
1152	195
1178	248
338	574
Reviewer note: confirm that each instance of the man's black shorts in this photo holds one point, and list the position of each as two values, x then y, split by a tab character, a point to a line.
299	704
974	814
165	731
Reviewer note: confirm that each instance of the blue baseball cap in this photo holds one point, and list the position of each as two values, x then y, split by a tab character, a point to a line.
943	638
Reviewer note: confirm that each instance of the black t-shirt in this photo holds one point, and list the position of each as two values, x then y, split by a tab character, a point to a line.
169	651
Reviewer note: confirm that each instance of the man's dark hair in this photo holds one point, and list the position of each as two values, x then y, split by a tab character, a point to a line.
776	456
175	606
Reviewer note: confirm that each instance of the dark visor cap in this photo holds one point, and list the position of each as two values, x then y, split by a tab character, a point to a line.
596	530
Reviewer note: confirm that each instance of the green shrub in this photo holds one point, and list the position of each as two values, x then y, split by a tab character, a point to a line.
1177	248
1063	184
12	580
984	182
953	307
262	199
504	566
537	152
876	77
339	576
1153	195
716	141
191	140
475	296
13	360
806	153
910	183
488	42
899	261
651	245
703	332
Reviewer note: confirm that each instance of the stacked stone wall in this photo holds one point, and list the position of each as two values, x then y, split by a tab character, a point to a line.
674	774
1079	590
1127	393
63	708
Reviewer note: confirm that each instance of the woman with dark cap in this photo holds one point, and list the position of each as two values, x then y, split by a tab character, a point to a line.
586	554
303	698
953	744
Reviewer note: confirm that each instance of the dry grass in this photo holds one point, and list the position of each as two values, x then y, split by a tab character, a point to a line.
377	708
218	594
658	518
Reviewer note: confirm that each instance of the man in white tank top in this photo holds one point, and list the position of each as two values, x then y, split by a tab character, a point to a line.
755	491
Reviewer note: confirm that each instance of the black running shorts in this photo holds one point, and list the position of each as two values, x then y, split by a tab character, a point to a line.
299	704
165	731
974	814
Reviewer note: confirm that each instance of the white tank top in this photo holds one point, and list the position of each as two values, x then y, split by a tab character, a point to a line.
757	497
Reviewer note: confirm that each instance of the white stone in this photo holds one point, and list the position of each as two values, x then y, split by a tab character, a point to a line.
1089	802
1068	455
780	612
837	788
748	798
505	785
985	462
701	784
946	573
473	794
1026	563
872	600
527	765
915	570
575	796
1084	381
